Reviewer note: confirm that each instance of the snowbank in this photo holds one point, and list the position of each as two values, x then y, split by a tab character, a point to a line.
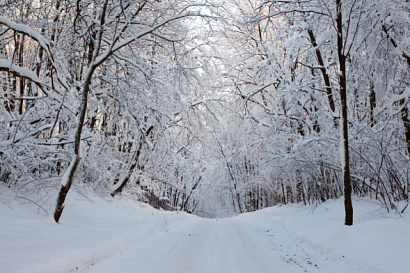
89	231
377	242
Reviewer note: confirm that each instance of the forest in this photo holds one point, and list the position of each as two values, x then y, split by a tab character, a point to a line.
213	107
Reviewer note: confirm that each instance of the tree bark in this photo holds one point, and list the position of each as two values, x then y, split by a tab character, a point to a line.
130	171
404	111
344	132
372	101
406	122
65	187
325	75
393	42
184	204
135	163
20	47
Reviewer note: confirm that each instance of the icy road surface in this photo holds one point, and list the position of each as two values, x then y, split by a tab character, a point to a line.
200	245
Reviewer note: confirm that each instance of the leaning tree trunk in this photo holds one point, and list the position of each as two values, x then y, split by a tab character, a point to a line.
135	162
68	176
130	171
325	75
344	128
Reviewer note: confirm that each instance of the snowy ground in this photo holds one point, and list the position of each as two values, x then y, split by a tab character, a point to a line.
124	236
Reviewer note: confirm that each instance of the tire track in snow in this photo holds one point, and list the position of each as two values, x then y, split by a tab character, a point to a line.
110	249
200	245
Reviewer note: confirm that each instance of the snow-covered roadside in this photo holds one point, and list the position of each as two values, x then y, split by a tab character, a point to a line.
89	231
95	235
377	242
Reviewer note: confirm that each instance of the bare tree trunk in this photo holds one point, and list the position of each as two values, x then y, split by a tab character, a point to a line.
393	42
406	122
135	163
344	132
372	101
325	75
20	48
184	204
68	176
404	111
130	171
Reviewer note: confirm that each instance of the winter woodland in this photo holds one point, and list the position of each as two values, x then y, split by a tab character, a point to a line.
214	107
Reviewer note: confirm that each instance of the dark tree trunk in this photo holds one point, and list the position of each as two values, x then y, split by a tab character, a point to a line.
406	123
135	163
65	187
372	101
20	47
325	75
344	132
404	111
130	171
393	42
184	204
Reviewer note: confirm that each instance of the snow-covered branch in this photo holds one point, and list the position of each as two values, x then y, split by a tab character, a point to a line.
24	29
117	46
6	65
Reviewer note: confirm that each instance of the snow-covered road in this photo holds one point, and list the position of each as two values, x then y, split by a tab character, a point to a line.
201	245
125	236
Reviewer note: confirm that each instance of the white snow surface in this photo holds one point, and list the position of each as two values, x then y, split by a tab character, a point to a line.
121	235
